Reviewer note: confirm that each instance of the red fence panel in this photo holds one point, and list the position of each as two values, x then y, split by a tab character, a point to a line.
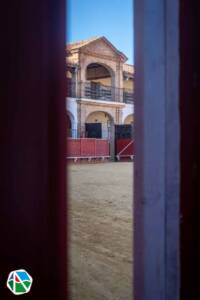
102	148
125	147
73	147
86	147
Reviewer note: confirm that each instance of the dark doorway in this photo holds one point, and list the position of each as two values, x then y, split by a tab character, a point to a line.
124	131
93	130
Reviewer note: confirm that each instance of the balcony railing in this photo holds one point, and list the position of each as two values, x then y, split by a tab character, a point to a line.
92	90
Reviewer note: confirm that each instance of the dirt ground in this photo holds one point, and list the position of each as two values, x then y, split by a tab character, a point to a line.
101	231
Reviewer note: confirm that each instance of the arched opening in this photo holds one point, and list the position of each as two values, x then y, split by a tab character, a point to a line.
99	125
69	124
71	81
100	80
129	124
129	120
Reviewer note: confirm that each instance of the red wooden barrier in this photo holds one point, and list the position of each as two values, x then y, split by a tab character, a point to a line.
102	148
124	147
73	147
87	147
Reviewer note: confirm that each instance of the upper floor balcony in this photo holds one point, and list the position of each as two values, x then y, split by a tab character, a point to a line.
96	91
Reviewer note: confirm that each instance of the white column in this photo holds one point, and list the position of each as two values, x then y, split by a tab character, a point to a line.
156	185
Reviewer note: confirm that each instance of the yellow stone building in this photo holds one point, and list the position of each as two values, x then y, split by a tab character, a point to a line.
99	88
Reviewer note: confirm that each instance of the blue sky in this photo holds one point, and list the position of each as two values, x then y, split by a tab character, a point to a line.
110	18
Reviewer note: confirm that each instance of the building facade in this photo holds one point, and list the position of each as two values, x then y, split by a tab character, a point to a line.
100	88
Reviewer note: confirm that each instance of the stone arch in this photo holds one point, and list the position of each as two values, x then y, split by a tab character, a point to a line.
101	72
115	69
70	123
100	80
103	119
129	119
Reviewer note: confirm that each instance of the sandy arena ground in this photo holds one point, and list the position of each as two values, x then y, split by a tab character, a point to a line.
101	231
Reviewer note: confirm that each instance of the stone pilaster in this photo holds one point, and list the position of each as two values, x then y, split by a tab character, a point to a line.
119	82
119	116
